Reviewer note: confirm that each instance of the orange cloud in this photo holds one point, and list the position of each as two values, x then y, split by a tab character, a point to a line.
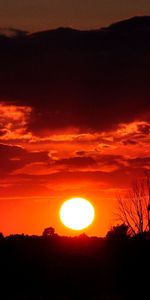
66	163
14	120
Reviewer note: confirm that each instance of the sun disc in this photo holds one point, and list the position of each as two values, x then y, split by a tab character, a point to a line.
77	213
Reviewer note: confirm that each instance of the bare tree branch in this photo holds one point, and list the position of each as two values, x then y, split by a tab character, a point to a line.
134	207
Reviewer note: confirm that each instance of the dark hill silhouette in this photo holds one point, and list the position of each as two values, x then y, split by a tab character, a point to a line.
135	24
72	39
82	39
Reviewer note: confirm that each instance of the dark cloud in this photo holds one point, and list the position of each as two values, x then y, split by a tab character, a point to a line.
12	32
80	153
2	132
114	179
99	162
76	162
14	157
144	129
91	80
130	142
140	162
111	159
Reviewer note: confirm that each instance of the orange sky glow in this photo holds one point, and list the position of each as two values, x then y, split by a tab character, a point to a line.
40	171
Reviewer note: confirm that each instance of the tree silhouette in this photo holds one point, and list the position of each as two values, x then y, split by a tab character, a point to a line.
1	236
50	231
118	232
134	207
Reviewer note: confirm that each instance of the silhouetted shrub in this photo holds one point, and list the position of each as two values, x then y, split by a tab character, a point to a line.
118	232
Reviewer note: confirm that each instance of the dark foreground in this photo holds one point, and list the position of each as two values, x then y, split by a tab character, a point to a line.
61	268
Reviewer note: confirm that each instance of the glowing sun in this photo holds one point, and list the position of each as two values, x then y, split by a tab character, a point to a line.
77	213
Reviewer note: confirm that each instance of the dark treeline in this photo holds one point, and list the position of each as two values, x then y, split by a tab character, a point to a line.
56	267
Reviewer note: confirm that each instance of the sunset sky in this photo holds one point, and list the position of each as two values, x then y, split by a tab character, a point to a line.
36	15
74	110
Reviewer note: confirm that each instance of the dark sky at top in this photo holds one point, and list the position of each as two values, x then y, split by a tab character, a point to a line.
42	14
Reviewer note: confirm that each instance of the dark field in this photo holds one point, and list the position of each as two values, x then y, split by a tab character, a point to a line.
42	268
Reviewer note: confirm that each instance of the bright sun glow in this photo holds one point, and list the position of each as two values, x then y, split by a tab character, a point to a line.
77	213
